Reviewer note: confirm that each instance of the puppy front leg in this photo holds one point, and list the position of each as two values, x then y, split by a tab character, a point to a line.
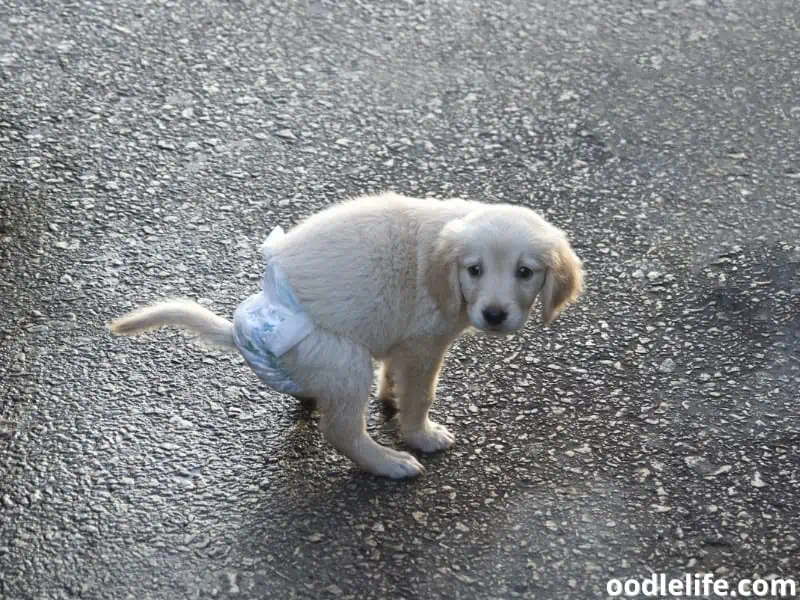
416	377
386	394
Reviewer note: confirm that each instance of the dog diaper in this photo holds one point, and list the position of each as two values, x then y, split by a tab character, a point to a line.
270	323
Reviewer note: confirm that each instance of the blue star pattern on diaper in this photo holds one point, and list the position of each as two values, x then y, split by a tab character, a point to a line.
270	323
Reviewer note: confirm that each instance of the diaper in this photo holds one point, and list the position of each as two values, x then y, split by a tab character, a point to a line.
270	323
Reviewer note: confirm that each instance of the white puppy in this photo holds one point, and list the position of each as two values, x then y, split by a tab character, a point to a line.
397	279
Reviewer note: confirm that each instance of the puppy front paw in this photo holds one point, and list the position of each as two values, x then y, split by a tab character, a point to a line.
431	437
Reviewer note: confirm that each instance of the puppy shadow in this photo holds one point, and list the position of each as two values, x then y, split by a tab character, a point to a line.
304	408
310	498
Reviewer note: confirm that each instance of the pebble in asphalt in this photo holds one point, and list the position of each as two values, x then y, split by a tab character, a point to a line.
147	148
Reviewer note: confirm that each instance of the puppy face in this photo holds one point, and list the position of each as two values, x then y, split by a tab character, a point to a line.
499	282
494	263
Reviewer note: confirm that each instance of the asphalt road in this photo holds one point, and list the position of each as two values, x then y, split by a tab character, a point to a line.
146	148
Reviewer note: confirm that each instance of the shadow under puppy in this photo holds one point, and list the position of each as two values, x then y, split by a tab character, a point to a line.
392	278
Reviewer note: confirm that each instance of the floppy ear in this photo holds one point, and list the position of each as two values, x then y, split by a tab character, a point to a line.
441	276
563	282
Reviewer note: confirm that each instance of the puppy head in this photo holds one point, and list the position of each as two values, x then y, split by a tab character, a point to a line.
493	264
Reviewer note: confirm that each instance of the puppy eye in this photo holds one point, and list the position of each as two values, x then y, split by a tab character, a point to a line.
474	270
524	273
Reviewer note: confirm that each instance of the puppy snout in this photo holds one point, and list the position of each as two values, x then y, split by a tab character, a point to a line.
494	316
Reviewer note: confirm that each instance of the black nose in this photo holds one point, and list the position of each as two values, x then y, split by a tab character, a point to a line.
494	316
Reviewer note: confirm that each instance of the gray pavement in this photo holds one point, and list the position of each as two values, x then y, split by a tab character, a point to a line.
147	147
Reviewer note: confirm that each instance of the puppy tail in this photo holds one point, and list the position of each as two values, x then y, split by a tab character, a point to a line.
183	314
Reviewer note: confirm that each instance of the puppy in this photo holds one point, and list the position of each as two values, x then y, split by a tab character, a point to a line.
396	279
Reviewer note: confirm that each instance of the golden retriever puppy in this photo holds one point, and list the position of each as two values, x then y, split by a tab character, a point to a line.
394	279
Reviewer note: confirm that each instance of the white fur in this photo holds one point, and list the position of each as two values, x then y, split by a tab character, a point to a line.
388	277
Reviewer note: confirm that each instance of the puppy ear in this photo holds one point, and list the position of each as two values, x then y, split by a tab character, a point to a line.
441	277
563	281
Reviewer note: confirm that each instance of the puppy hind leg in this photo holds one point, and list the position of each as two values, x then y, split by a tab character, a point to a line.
338	374
346	431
